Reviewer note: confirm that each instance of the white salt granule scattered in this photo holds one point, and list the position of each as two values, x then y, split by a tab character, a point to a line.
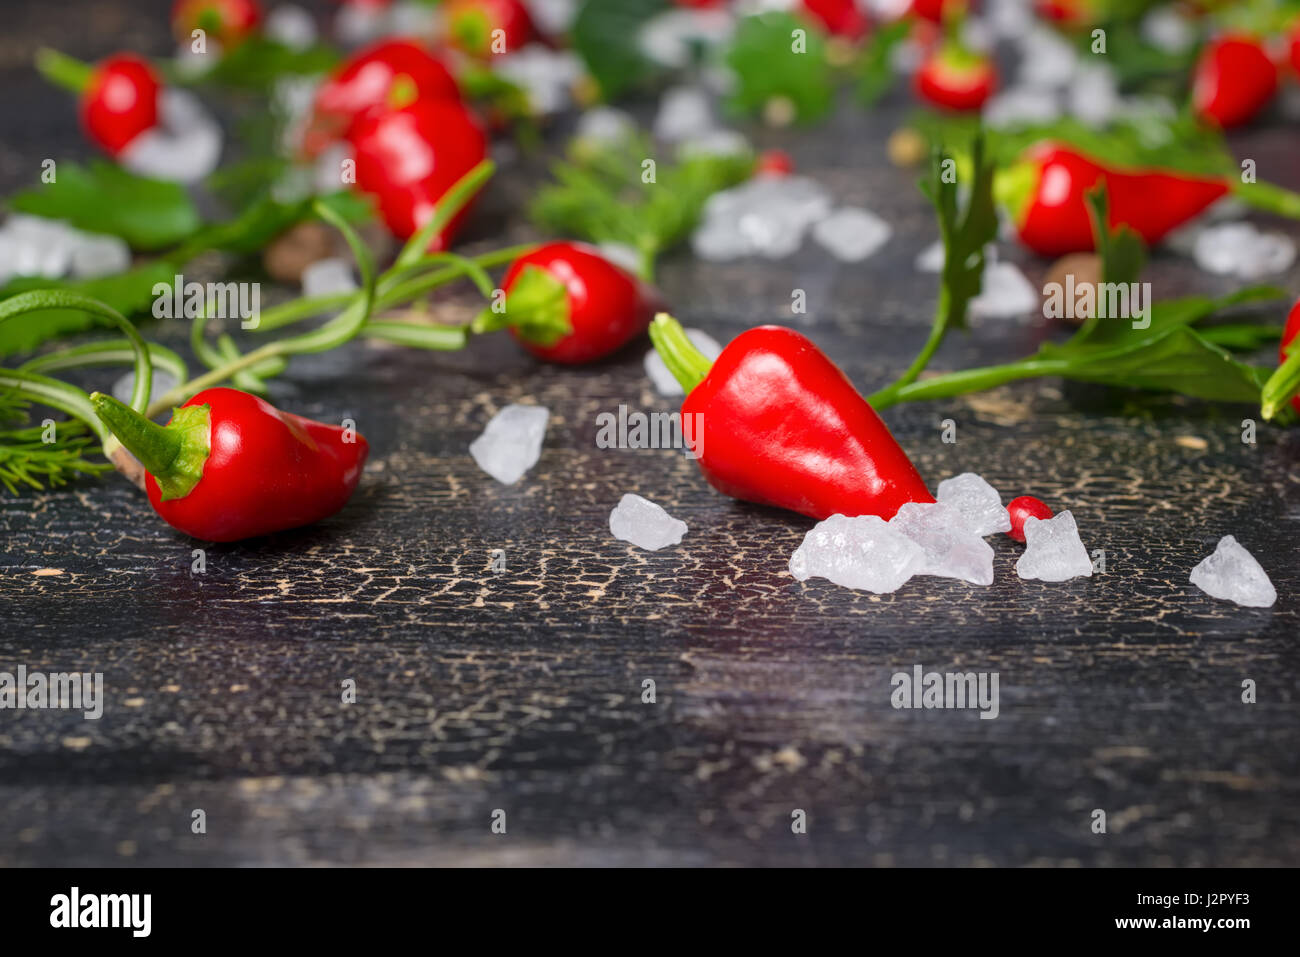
1053	550
512	442
645	524
1232	574
862	552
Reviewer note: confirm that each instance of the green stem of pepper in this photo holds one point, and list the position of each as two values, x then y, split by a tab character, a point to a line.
688	364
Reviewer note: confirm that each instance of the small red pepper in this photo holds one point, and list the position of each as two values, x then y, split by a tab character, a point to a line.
603	304
1294	48
773	163
120	101
956	79
1046	195
840	18
1022	508
776	422
936	11
408	158
472	26
229	466
1068	13
1234	79
372	78
229	22
1290	333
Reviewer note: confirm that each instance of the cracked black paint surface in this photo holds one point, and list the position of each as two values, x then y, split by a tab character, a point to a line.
522	690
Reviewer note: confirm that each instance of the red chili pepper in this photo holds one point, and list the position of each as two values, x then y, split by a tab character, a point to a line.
604	305
373	78
955	79
776	422
1234	79
936	11
1070	13
230	466
1045	194
774	163
229	22
120	101
408	158
1295	48
1289	335
840	18
472	26
1026	506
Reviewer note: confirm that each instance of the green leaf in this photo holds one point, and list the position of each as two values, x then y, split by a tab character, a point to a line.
606	35
600	196
767	67
257	63
876	72
965	233
103	198
130	293
27	460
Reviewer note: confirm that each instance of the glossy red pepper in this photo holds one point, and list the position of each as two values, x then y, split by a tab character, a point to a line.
937	10
1069	13
229	22
1234	79
604	305
1046	195
1290	335
955	79
472	26
1022	508
840	18
120	101
371	79
230	466
773	163
408	158
777	423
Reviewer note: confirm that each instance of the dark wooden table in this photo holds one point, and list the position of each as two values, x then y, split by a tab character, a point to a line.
522	690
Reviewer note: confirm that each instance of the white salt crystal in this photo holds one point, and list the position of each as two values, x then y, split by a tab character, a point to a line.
512	442
546	76
977	502
184	147
1093	95
663	380
1168	30
862	552
292	26
952	550
1232	574
645	524
671	37
1053	550
325	277
931	258
162	382
765	216
621	254
851	234
95	256
714	143
553	17
1048	60
1240	250
684	112
605	124
1005	293
1022	105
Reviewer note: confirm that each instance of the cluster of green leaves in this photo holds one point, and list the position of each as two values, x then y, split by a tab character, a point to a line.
152	217
767	66
601	195
606	36
1173	350
26	459
258	63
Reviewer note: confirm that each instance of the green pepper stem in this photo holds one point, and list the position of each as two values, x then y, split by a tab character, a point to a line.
64	71
688	364
173	454
1281	385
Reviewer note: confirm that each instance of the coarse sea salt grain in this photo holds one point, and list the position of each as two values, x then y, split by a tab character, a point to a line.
512	442
1233	574
952	550
851	234
977	502
1053	550
645	524
862	552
